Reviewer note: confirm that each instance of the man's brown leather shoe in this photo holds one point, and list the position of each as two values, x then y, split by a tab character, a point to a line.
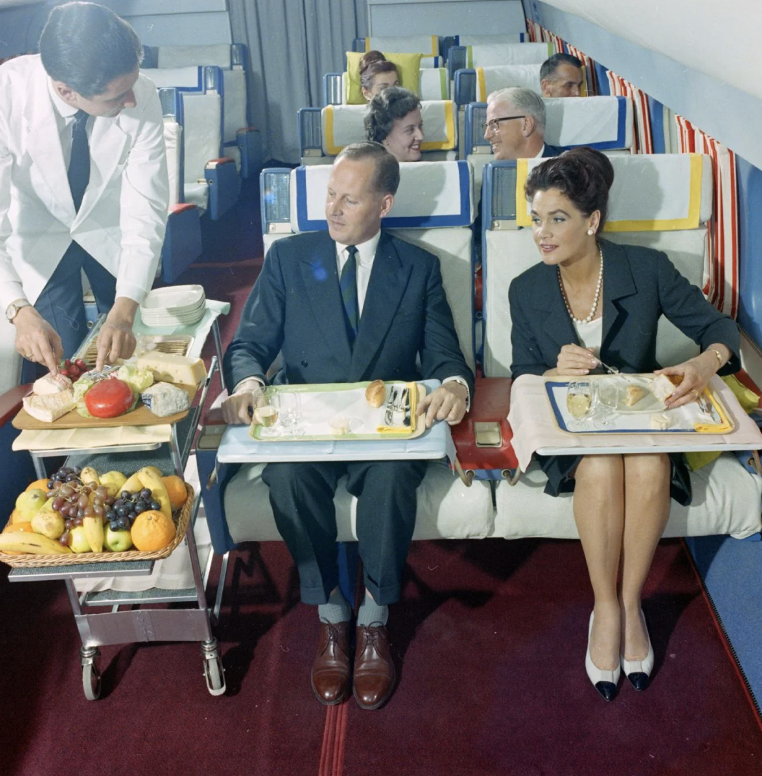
331	667
374	669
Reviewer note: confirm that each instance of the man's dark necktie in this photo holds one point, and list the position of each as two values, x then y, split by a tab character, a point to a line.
79	165
348	285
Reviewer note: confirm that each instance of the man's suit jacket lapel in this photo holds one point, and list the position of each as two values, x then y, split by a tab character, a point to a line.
617	284
321	281
388	280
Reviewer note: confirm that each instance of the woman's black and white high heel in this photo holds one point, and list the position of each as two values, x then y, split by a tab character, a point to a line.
605	682
639	671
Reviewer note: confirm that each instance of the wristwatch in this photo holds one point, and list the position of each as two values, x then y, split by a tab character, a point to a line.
14	307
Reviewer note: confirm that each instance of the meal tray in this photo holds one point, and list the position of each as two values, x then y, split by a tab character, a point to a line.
688	419
30	560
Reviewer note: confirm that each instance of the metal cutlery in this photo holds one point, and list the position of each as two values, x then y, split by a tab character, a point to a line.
390	405
405	402
614	371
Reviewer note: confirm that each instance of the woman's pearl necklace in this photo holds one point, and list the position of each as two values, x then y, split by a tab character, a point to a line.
597	293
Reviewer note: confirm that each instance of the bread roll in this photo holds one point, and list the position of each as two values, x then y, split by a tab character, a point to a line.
375	393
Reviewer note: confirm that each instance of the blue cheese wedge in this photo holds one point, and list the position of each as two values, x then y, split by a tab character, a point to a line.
164	399
172	368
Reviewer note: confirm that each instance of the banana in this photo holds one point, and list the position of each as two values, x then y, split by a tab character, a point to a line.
133	484
89	475
155	484
31	542
94	532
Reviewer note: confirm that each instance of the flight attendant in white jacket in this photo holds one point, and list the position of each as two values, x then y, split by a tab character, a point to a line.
106	217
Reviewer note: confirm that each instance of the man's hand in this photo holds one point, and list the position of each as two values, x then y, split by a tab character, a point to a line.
239	408
37	340
448	402
115	339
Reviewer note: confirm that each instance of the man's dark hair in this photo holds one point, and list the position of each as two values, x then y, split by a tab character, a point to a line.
86	46
549	66
387	177
582	174
385	108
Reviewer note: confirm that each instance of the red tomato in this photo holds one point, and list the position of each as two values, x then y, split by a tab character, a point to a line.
109	398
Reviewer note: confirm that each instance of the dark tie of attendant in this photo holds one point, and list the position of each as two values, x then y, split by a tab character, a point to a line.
79	165
348	285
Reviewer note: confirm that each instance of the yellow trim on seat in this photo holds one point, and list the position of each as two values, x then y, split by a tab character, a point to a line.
481	95
583	90
449	143
691	221
331	149
367	45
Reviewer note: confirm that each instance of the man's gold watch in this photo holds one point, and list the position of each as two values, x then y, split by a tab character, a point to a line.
13	308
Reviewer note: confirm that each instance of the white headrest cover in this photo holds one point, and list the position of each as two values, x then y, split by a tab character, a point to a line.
410	44
490	79
508	54
184	77
173	133
430	194
433	84
651	192
486	40
182	56
604	123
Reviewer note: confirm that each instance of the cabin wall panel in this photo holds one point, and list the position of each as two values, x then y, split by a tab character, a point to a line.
21	28
750	243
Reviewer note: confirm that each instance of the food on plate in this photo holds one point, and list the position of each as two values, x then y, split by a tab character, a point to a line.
18	541
171	368
660	422
633	395
48	523
152	531
340	426
109	399
137	378
375	393
664	386
72	370
50	407
164	399
50	384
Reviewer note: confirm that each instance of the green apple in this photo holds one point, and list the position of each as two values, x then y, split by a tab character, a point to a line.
117	541
78	541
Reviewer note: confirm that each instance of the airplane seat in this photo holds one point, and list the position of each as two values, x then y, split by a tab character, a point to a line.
323	133
479	40
475	85
491	54
10	360
658	201
240	141
433	208
428	45
211	180
432	85
603	123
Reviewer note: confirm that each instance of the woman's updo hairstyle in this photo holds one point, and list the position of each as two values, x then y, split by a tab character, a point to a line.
371	64
582	174
385	108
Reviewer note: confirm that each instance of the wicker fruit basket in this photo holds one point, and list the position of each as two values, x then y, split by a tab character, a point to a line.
181	518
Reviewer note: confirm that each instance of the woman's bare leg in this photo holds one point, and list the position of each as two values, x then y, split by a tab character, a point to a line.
646	509
599	514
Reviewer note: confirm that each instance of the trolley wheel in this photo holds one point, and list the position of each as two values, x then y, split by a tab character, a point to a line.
214	672
91	675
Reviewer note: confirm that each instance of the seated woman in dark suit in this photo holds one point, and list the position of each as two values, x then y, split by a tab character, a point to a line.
393	118
591	298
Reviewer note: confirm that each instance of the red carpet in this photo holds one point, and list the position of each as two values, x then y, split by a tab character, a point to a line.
489	639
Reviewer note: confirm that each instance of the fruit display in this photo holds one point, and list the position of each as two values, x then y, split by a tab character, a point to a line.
79	511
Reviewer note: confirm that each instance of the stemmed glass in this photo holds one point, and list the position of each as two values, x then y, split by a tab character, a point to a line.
290	411
266	413
579	402
605	402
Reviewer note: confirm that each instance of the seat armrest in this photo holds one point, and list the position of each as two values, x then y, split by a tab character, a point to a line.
10	402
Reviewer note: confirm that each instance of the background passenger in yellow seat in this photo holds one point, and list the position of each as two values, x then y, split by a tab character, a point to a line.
515	125
394	119
376	74
561	76
588	297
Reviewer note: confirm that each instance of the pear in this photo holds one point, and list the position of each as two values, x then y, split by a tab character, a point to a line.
48	523
78	541
30	502
114	481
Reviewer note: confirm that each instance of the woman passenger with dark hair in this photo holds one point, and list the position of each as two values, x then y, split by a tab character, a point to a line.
376	74
393	118
589	298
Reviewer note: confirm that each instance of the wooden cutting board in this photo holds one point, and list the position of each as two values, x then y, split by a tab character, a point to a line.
140	416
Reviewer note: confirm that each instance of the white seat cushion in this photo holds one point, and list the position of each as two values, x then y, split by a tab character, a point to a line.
490	79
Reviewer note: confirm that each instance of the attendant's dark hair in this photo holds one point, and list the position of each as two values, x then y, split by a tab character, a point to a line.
385	108
582	174
371	64
387	177
86	46
549	66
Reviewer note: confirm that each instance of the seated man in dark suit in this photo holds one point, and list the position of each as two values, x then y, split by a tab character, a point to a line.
515	125
561	76
350	305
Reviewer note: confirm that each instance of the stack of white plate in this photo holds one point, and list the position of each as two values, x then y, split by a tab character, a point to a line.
174	306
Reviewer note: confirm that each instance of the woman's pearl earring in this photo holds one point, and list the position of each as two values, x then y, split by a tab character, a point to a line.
591	232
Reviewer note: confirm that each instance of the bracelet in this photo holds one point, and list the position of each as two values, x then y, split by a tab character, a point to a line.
720	362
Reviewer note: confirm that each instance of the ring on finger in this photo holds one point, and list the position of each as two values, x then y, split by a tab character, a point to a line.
29	356
695	393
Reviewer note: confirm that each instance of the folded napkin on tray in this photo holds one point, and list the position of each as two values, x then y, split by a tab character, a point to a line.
714	428
412	392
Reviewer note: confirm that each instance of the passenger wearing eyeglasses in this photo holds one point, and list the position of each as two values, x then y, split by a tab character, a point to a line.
515	125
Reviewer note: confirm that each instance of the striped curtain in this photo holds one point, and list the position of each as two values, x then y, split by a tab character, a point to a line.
721	281
590	82
535	31
642	140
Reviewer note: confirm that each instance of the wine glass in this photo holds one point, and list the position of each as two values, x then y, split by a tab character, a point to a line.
290	412
579	402
266	412
605	402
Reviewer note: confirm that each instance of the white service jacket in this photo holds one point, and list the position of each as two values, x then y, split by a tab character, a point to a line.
123	216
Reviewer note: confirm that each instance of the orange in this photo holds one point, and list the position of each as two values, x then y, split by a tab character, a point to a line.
15	527
176	491
39	484
152	530
15	517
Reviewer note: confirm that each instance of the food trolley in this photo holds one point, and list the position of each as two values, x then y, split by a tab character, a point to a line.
126	622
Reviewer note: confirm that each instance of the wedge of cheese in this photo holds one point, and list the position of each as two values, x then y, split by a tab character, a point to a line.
51	406
633	395
171	368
